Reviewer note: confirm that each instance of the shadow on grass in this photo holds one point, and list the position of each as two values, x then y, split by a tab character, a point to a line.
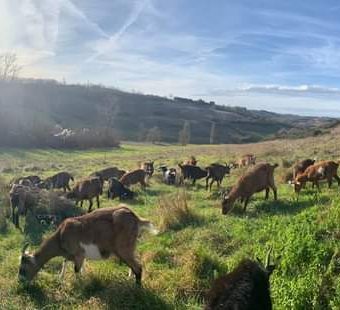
36	294
116	294
279	207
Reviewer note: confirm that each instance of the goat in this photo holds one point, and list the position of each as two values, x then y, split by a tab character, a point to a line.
246	287
247	160
324	170
59	180
117	189
134	177
148	168
191	172
192	161
301	166
216	173
259	178
106	174
87	189
97	235
169	175
22	199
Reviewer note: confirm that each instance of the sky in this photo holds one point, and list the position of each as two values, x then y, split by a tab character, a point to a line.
281	56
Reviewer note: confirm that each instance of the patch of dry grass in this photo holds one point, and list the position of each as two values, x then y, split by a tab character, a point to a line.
174	212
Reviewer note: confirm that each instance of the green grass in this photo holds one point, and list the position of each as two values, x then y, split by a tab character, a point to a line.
194	247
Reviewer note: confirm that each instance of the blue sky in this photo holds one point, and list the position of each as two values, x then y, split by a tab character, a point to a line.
282	56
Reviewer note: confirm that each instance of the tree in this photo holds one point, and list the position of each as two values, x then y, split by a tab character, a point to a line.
153	135
212	133
184	134
142	132
9	68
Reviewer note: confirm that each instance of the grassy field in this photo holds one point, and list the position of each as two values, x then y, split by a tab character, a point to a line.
192	249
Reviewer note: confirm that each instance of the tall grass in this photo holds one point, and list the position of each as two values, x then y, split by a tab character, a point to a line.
174	212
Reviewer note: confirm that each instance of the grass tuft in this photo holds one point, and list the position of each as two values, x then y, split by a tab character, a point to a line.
174	212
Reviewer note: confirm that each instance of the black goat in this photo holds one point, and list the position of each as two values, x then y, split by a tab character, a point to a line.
117	189
246	287
57	181
192	173
216	173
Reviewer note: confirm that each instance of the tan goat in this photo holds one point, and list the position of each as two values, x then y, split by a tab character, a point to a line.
324	170
247	160
134	177
259	178
97	235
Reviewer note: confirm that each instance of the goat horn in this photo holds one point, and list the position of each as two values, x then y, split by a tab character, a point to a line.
25	248
268	257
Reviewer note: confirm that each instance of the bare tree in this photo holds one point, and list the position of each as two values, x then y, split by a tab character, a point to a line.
9	68
154	135
212	133
184	134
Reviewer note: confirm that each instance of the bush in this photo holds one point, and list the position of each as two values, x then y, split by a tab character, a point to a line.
174	212
5	207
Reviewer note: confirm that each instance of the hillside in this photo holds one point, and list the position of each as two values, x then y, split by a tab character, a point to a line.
182	261
38	105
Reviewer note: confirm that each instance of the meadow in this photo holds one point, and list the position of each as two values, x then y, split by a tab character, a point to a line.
196	242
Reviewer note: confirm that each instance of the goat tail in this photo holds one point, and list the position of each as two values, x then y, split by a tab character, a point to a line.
148	226
72	178
275	165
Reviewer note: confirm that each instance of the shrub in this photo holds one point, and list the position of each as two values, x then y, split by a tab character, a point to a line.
5	207
174	212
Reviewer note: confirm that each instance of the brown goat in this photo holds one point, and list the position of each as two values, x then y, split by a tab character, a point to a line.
134	177
216	173
247	160
97	235
259	178
324	170
301	166
192	161
87	189
107	173
148	168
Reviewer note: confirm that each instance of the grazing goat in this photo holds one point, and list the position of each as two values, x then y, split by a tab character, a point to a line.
192	161
324	170
216	173
191	172
22	199
246	287
259	178
59	180
97	235
169	175
247	160
134	177
148	168
117	189
106	174
301	166
87	189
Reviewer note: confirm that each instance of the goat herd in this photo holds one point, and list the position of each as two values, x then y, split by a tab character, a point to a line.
114	231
